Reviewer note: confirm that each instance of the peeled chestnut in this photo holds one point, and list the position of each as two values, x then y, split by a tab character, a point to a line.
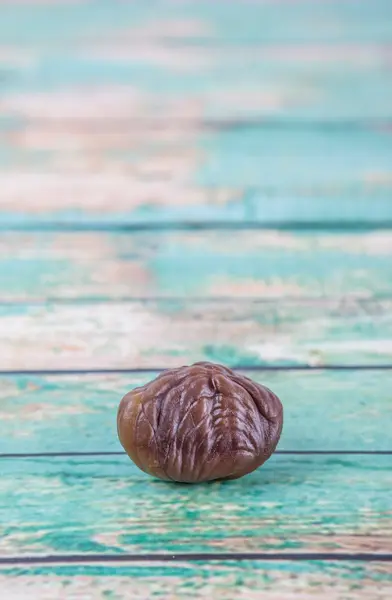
200	423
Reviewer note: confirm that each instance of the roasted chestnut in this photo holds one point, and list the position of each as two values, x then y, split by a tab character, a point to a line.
200	423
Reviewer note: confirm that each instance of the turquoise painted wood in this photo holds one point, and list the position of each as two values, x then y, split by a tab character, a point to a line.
258	264
324	410
102	173
106	505
161	113
133	335
183	580
284	81
83	138
52	23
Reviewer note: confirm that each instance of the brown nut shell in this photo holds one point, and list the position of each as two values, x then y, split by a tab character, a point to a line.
200	423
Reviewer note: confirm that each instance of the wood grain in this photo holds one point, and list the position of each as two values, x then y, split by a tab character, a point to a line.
253	123
225	581
133	335
76	173
107	505
258	264
323	410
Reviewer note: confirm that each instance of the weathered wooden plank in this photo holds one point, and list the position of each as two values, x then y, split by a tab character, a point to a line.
91	200
119	174
285	82
113	66
25	22
223	581
263	264
106	505
99	117
134	335
324	410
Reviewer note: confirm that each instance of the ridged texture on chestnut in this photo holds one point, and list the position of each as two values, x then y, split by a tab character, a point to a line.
200	423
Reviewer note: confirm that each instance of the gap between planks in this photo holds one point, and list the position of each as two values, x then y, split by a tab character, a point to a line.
97	226
135	370
23	455
194	557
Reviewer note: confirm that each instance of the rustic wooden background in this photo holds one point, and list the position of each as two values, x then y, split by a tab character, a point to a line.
187	180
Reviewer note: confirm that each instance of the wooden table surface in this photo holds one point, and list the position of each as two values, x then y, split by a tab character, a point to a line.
187	180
